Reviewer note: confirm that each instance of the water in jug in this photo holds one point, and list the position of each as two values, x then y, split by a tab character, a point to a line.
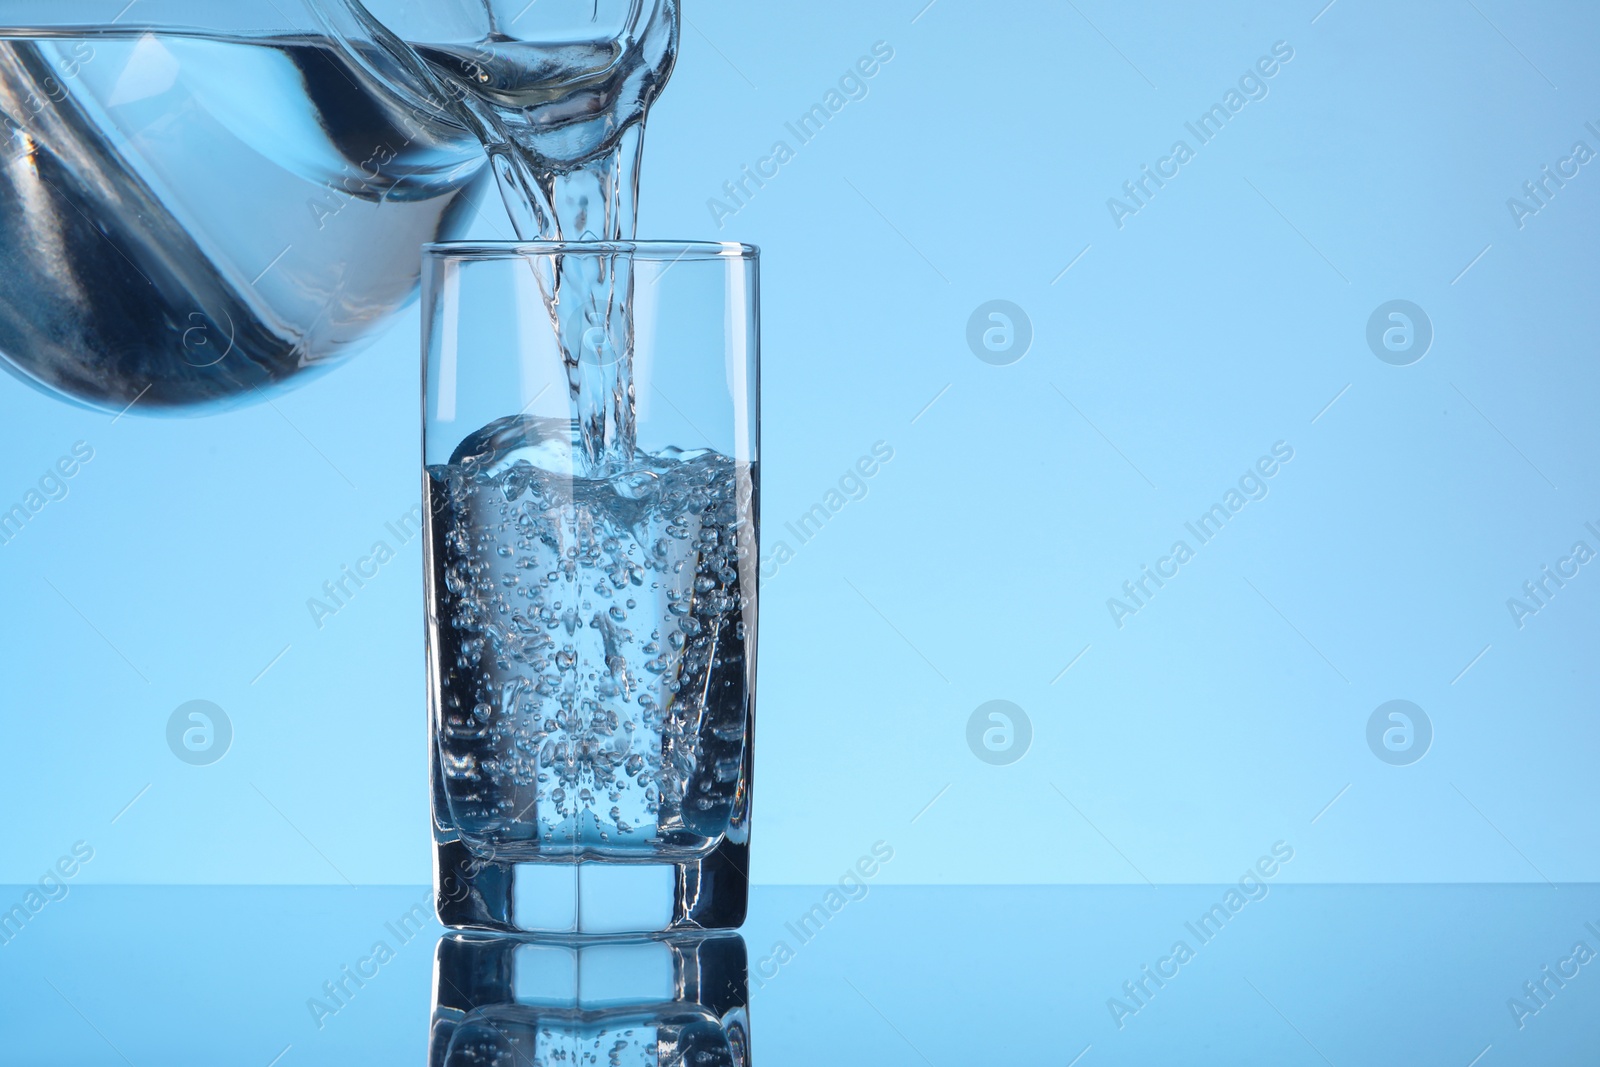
201	201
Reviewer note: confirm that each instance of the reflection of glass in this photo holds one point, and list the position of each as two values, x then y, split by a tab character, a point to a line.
591	478
679	1000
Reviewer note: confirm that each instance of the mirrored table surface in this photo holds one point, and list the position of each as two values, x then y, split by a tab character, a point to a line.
1244	973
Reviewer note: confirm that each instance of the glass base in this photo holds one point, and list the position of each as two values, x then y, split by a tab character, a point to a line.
591	897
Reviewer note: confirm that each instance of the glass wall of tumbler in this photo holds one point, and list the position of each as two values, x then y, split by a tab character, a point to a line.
591	474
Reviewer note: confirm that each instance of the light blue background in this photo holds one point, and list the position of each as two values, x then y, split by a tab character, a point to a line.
1222	318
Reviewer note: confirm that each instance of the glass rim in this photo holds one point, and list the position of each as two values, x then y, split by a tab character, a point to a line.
648	251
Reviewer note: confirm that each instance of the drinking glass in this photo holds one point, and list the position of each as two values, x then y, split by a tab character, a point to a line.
590	434
674	1000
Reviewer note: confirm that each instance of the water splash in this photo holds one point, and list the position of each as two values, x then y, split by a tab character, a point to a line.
563	125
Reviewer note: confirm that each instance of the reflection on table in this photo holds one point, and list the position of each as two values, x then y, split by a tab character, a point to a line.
662	1002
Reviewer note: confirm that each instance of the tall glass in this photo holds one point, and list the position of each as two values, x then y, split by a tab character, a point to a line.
590	444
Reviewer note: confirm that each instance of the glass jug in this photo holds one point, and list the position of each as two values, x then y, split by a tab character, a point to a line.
201	200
